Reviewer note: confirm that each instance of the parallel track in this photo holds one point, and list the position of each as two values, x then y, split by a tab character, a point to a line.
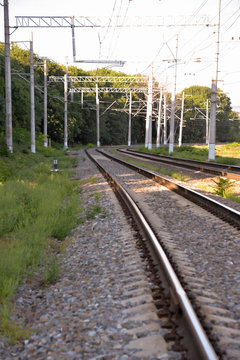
229	171
222	211
200	342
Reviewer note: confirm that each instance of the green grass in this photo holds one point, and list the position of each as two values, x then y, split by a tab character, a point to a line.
11	329
225	154
96	209
51	271
174	174
220	189
110	150
36	204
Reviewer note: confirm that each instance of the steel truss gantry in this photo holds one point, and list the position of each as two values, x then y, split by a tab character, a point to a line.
115	21
91	79
108	89
102	22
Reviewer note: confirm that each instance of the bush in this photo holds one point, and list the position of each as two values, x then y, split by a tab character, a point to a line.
222	186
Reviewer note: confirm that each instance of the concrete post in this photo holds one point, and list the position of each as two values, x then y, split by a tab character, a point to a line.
66	109
207	125
97	117
212	130
33	144
8	89
159	121
130	119
181	122
165	120
45	105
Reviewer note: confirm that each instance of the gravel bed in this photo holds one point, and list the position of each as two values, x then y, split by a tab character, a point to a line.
83	315
210	245
196	180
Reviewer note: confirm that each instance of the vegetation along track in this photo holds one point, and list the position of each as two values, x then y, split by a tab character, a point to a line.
201	247
229	171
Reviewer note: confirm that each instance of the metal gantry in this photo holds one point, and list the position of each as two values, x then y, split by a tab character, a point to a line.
116	21
91	79
133	86
108	89
101	22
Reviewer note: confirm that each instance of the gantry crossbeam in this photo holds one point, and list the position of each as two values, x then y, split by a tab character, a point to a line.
90	79
108	89
117	21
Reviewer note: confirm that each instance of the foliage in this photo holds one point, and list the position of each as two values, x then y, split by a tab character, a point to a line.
162	170
35	204
81	119
194	124
9	328
223	185
200	153
51	271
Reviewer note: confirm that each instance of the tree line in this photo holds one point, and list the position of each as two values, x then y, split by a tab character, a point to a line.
113	107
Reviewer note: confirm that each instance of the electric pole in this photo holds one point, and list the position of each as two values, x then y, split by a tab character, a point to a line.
212	128
171	139
207	126
212	132
8	89
66	107
33	145
159	121
45	105
97	116
148	134
130	119
181	122
165	120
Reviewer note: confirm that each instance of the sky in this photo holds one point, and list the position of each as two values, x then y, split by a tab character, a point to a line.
195	45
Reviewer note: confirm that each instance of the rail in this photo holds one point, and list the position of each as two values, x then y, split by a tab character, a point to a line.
224	212
230	171
199	337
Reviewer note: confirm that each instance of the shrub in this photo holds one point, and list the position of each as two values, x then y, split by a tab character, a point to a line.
222	186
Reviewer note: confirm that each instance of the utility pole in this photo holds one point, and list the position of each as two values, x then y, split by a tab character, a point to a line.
130	119
159	121
212	132
212	128
45	105
72	93
165	120
82	99
148	135
97	116
171	139
207	127
8	90
181	122
33	144
66	107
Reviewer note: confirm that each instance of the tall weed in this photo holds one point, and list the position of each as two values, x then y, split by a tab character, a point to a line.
39	205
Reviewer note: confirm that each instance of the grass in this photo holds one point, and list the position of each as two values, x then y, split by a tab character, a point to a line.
225	154
51	271
36	205
96	209
222	187
111	150
11	329
174	174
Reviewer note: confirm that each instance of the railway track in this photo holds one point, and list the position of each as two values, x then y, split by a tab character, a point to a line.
229	171
217	317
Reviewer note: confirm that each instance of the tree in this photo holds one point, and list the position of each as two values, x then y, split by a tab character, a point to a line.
195	104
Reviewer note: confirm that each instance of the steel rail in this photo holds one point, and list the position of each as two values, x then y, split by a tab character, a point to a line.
205	349
212	168
224	212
